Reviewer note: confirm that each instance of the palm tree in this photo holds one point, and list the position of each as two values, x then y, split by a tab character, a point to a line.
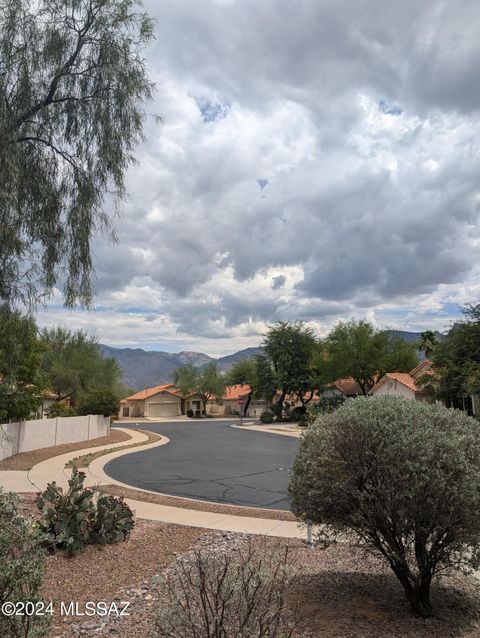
428	342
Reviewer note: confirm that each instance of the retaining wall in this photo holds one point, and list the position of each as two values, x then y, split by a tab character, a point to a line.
33	435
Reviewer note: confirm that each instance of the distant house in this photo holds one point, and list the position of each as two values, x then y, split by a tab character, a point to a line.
404	384
234	401
167	400
344	388
160	401
49	397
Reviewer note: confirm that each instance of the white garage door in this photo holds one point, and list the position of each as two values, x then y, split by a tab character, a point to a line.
163	409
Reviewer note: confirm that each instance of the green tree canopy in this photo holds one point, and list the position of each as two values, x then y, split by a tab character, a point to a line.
244	372
456	358
428	342
99	402
290	349
401	477
206	381
74	366
72	85
357	350
21	351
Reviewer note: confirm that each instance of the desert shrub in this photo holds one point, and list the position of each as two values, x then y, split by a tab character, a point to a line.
22	567
58	409
75	518
324	406
218	593
99	402
297	413
403	478
190	413
266	417
277	409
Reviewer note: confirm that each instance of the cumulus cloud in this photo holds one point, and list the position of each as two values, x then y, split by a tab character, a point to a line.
317	161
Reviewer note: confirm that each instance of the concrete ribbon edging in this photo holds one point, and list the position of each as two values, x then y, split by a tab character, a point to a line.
263	428
53	469
192	518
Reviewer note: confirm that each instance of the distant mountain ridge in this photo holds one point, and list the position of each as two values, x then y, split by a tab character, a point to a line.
146	368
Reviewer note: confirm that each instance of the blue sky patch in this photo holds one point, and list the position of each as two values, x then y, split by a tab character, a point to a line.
384	107
212	111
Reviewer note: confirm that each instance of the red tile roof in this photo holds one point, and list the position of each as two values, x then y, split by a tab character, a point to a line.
405	378
424	367
149	392
348	386
234	392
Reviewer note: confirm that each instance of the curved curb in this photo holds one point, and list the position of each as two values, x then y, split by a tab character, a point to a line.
193	517
96	467
99	473
266	430
54	469
49	470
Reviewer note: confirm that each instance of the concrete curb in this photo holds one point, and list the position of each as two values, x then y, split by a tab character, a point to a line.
53	469
262	428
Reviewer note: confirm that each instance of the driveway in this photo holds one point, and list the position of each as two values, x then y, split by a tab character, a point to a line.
213	462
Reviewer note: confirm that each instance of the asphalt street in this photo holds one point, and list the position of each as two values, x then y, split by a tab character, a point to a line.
212	461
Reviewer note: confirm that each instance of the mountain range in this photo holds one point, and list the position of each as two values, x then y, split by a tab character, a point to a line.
146	368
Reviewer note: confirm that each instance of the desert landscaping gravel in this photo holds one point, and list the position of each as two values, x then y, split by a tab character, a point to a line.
342	592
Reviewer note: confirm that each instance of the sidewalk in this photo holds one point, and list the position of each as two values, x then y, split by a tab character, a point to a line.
53	469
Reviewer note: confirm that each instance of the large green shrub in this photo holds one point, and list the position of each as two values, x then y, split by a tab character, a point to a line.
99	402
402	477
22	566
75	518
59	409
266	417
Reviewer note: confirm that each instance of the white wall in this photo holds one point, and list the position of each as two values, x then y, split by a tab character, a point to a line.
395	388
33	435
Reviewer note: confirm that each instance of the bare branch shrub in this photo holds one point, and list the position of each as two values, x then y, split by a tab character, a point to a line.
228	593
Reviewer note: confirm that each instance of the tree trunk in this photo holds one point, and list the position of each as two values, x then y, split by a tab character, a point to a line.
419	598
417	593
280	402
245	409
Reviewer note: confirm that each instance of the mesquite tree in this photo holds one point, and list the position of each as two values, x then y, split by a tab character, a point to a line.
72	85
403	478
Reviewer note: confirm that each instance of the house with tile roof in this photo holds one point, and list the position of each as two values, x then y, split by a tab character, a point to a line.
167	400
233	402
163	400
345	388
405	384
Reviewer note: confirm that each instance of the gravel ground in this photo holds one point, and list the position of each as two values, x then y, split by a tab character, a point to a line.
203	506
26	460
341	591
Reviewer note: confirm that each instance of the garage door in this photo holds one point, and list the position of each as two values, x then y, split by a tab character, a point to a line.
163	409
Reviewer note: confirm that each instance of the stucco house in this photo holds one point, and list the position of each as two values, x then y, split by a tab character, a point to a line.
234	401
404	384
345	388
160	401
167	400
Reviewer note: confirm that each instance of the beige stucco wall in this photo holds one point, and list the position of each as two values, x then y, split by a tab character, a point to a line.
395	388
162	397
39	433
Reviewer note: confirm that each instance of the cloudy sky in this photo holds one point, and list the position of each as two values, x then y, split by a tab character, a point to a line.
319	160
